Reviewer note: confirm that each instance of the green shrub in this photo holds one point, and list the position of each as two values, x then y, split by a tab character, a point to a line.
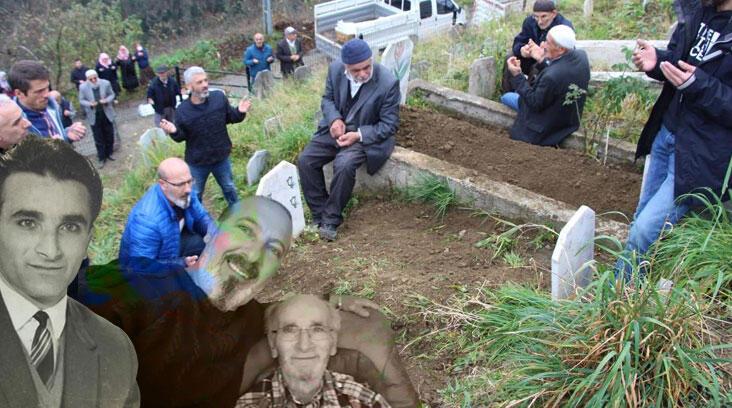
432	189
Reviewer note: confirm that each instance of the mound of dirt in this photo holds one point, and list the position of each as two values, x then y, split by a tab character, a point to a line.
562	174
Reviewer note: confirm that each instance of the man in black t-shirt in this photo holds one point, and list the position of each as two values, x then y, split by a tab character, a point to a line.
689	132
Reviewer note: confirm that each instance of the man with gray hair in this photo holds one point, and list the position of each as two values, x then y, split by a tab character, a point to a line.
543	116
201	122
289	52
302	333
96	97
13	125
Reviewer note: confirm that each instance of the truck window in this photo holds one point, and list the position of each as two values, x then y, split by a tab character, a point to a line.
425	9
404	5
445	6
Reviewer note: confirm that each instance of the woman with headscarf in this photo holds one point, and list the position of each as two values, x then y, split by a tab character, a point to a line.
108	70
126	64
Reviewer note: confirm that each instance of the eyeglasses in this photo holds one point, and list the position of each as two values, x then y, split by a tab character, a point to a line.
181	184
292	333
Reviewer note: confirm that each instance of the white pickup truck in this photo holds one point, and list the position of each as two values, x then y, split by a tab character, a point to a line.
380	22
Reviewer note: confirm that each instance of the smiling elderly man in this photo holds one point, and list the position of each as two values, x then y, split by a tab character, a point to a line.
302	334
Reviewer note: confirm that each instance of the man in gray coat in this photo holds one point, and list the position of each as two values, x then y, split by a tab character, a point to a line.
96	97
360	117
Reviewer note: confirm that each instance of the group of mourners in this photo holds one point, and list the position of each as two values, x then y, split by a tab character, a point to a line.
124	67
186	329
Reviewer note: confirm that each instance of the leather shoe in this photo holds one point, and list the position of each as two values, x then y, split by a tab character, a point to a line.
110	158
327	232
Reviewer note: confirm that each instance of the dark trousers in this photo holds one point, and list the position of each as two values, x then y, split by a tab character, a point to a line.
191	243
103	135
327	208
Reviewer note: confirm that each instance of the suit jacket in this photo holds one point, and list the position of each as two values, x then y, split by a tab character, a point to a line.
375	112
100	365
543	118
283	54
86	97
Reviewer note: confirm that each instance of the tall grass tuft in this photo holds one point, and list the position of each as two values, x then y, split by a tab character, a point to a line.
434	190
616	346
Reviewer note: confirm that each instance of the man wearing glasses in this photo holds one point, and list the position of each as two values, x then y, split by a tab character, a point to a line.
168	224
533	32
302	334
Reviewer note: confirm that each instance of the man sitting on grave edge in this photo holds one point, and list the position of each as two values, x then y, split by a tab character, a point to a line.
302	333
360	117
547	110
533	32
168	224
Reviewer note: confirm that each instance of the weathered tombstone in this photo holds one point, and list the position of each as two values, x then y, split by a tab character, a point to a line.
574	250
282	185
419	69
263	84
272	126
398	59
587	8
482	80
255	166
151	140
302	73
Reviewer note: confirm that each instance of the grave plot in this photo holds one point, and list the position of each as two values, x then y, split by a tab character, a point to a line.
565	175
398	253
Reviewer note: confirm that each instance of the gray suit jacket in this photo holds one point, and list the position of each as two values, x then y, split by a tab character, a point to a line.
100	364
376	112
86	97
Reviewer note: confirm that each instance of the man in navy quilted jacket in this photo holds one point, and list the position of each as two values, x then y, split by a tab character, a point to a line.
168	224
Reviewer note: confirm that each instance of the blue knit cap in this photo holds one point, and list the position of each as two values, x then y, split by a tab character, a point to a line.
355	51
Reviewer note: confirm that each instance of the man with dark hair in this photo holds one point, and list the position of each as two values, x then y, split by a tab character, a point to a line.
30	82
55	351
360	117
78	74
689	132
543	116
533	32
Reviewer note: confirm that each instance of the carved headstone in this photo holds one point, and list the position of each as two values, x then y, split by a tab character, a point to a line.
482	80
397	58
283	185
152	139
574	250
263	84
587	8
302	73
272	126
255	166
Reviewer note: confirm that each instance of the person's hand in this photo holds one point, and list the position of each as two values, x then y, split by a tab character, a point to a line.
254	60
167	126
295	57
244	105
76	131
150	101
191	260
514	66
537	53
337	128
355	305
270	59
93	104
677	76
348	139
67	112
526	51
644	56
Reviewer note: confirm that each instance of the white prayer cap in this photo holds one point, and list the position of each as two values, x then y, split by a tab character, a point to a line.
91	73
564	36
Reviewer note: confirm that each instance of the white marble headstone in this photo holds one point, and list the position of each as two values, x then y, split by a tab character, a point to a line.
574	250
255	166
150	140
397	58
283	185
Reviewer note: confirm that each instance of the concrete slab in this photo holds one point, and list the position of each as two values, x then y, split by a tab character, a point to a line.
603	54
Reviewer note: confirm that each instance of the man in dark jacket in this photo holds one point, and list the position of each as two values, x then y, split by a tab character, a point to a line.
289	52
161	95
533	32
78	74
201	122
543	117
689	132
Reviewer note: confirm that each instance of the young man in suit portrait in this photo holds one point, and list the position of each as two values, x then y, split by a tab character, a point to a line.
55	351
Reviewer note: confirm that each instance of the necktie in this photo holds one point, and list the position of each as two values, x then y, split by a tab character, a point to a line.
42	348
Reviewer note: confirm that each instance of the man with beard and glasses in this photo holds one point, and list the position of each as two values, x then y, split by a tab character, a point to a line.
168	224
201	122
360	117
302	333
689	132
199	331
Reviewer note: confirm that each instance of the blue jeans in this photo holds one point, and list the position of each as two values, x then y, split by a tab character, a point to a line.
223	175
657	207
511	99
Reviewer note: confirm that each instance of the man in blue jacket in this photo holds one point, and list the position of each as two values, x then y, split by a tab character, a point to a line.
168	224
689	132
533	32
257	57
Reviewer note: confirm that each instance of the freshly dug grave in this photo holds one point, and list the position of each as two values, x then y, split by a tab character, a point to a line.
565	175
393	252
